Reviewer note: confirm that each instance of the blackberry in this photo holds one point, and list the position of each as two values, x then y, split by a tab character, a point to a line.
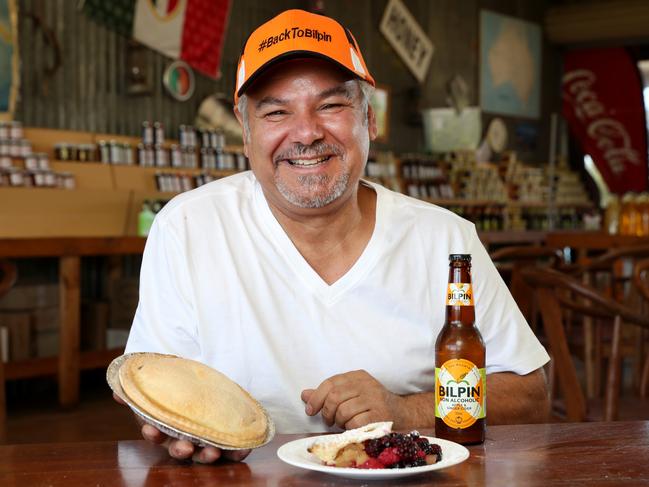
414	434
416	463
425	446
408	451
373	447
436	450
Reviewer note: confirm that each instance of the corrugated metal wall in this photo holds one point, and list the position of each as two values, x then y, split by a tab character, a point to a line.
88	91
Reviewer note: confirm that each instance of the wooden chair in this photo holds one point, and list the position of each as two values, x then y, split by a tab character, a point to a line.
611	273
641	281
559	295
512	259
8	276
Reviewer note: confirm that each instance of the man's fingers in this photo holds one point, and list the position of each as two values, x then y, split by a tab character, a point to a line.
208	454
180	449
337	396
183	449
153	434
317	398
306	394
348	409
236	455
119	399
359	420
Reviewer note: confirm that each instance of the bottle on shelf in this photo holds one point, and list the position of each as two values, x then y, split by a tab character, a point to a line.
612	215
145	219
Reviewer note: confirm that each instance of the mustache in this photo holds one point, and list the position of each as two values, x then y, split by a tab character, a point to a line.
317	149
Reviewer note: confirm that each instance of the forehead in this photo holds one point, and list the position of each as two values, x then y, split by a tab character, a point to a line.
304	73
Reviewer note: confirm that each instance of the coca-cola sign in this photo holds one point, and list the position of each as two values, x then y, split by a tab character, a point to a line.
603	104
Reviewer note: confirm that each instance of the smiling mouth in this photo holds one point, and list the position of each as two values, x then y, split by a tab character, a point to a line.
308	162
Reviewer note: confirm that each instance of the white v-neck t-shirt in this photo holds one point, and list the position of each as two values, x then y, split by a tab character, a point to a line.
223	284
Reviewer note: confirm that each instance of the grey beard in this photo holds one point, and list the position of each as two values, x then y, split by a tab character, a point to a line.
311	184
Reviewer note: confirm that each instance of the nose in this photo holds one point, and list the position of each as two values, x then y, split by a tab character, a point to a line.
307	128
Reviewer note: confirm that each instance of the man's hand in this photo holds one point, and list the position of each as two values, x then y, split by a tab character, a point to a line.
353	399
183	449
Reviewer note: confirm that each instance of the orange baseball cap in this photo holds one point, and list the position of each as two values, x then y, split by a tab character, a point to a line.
297	33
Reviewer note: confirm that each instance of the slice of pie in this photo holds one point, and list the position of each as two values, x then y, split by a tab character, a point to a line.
194	398
376	446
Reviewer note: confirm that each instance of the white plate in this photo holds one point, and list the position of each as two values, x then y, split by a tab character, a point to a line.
295	453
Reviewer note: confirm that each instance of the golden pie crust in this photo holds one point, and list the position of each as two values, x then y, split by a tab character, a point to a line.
192	397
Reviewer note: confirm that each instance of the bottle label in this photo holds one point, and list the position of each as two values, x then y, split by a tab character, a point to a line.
460	393
459	294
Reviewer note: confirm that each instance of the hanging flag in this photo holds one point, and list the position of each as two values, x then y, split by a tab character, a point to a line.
191	30
604	108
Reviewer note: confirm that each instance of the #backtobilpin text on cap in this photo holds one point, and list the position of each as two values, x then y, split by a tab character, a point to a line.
297	33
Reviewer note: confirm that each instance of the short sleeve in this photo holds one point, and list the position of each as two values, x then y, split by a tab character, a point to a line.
510	342
165	320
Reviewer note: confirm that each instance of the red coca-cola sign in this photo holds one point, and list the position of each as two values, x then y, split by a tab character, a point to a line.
603	104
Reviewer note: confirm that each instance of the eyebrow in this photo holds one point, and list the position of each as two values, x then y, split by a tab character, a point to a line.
336	90
270	100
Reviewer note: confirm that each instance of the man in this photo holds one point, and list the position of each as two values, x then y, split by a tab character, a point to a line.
319	293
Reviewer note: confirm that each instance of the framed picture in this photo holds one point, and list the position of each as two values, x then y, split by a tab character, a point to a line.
9	72
510	65
381	105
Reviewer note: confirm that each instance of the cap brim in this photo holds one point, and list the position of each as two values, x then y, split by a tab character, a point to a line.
293	55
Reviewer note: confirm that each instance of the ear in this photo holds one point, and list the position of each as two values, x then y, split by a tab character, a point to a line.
237	114
371	123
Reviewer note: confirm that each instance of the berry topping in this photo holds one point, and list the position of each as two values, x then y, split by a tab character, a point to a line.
389	456
371	463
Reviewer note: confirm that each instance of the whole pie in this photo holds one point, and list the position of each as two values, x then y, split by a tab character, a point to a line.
194	398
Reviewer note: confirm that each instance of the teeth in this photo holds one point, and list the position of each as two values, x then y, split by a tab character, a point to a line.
308	162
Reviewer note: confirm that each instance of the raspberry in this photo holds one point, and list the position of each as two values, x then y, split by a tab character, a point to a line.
371	463
389	456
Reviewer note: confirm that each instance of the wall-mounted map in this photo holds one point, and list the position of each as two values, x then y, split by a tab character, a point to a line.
510	65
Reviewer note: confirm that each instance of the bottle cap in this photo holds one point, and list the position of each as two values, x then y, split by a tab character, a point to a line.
462	257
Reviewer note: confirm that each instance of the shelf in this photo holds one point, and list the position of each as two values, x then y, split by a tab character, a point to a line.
48	366
512	237
47	212
458	202
86	175
511	203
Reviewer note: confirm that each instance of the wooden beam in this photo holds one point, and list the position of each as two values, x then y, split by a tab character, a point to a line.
64	246
598	21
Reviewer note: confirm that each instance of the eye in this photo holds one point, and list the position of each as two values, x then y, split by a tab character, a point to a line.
274	113
332	106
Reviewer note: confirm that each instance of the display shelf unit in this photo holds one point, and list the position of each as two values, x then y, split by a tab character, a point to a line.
105	202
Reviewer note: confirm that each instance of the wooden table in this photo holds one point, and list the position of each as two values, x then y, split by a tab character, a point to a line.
69	252
553	454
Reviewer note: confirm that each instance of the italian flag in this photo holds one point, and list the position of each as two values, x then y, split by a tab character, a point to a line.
191	30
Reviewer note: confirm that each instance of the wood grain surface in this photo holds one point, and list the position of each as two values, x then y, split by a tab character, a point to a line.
590	454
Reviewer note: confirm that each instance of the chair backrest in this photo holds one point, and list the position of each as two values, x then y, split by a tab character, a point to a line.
513	259
557	293
522	253
611	262
641	277
641	281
